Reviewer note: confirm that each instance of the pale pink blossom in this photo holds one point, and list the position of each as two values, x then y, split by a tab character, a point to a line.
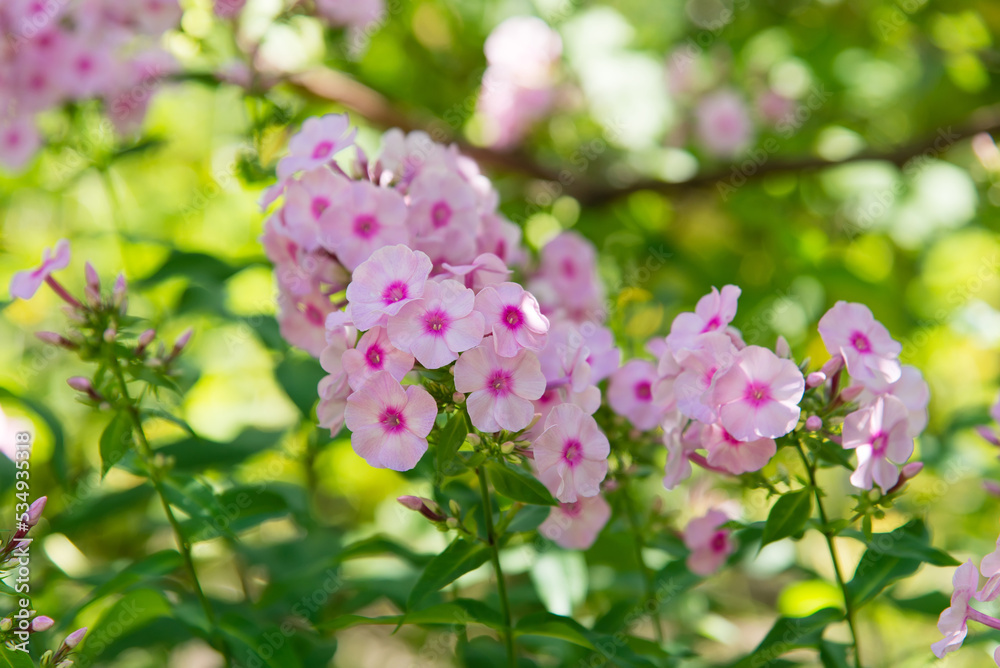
306	200
315	145
912	390
568	274
443	215
990	568
502	388
722	124
953	622
571	455
86	70
880	435
735	456
758	395
19	141
439	325
713	313
502	238
681	443
713	354
389	424
384	283
360	219
513	318
630	393
24	284
301	321
374	353
485	269
333	392
709	543
871	355
576	525
356	14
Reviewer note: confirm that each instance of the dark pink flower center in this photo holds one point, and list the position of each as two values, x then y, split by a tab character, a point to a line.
440	214
392	420
643	391
12	138
436	322
730	441
572	452
84	64
570	509
718	542
366	226
499	382
322	150
757	393
319	205
568	267
860	342
394	292
314	315
712	324
512	317
879	443
375	357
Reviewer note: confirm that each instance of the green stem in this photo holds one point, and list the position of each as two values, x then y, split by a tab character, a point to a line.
647	575
848	608
146	452
501	585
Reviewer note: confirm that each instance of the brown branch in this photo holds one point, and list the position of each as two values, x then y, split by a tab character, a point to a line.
373	106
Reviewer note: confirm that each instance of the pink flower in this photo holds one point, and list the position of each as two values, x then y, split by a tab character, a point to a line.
502	388
990	568
871	355
301	321
630	393
375	353
316	143
24	284
306	200
953	620
681	444
389	425
386	282
439	325
569	267
443	215
912	390
333	391
576	525
362	218
713	353
513	317
758	395
19	141
736	456
722	124
712	313
355	14
486	269
571	455
85	70
880	433
710	544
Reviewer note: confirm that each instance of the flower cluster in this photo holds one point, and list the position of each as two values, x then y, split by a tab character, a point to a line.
953	622
60	52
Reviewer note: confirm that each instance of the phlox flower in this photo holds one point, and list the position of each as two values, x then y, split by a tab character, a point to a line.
360	219
443	215
713	312
990	568
953	622
713	353
880	434
24	284
736	456
333	392
571	455
513	317
439	325
320	138
709	543
502	388
389	424
502	238
306	200
912	390
758	395
576	525
722	123
486	269
301	321
384	283
19	140
86	70
374	353
355	14
681	443
870	353
630	393
569	267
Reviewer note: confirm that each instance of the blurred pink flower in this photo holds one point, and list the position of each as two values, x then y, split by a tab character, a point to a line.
502	388
712	313
389	425
871	355
912	390
710	544
361	219
990	568
19	140
630	393
576	525
301	321
879	433
374	353
356	14
722	124
439	325
513	318
384	283
712	354
758	395
24	284
320	138
333	392
571	455
681	444
443	215
736	456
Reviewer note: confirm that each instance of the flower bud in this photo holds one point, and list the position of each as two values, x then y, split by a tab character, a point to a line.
851	393
422	506
120	291
41	623
833	365
65	663
144	340
814	423
80	384
815	379
455	509
74	638
782	349
989	434
474	440
35	511
93	280
507	447
46	659
908	472
458	398
534	420
181	341
451	523
6	624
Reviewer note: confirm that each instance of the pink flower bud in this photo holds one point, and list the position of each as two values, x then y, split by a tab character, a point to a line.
80	384
833	365
181	341
851	393
144	340
35	510
120	290
814	423
992	488
41	623
912	469
782	349
110	334
458	398
422	506
412	502
55	340
93	280
74	638
989	434
815	379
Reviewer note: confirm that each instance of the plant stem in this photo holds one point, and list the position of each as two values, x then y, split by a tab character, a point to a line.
501	585
146	452
848	608
647	574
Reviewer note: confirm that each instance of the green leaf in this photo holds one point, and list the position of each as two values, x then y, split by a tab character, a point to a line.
458	559
133	611
194	453
379	545
528	518
833	655
907	545
788	516
449	441
891	557
790	633
11	658
459	612
116	440
517	484
554	626
200	268
252	646
299	376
